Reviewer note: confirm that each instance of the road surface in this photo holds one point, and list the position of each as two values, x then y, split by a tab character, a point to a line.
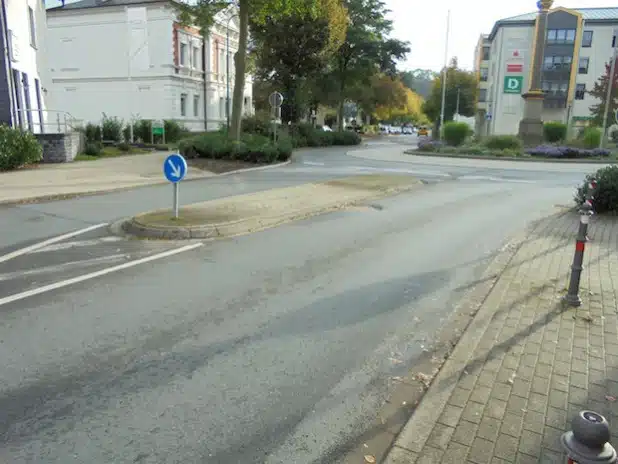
275	347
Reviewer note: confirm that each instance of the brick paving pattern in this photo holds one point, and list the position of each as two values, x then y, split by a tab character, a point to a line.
537	363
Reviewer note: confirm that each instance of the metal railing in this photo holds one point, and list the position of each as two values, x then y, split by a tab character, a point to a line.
47	121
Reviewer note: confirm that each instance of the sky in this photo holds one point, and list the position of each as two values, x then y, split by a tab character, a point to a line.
423	25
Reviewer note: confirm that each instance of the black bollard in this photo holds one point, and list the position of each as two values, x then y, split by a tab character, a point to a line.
588	440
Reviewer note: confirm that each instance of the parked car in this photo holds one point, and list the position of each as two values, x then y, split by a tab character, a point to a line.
423	132
408	130
395	130
326	129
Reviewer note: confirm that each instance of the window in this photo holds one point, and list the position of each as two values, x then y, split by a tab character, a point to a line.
221	108
11	45
196	105
183	54
18	97
196	58
583	65
552	63
27	101
561	36
482	95
545	86
39	104
580	91
32	27
564	88
183	104
587	39
222	63
486	53
484	74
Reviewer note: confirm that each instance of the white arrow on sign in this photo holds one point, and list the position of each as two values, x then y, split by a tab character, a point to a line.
175	169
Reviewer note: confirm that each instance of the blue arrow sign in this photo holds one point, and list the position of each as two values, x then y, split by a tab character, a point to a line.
175	168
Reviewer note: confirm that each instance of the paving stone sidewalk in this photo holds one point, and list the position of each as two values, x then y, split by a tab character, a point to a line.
527	364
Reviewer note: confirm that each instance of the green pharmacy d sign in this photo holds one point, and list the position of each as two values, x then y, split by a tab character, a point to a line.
513	84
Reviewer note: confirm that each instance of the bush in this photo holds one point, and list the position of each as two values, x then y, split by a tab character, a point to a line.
251	148
111	129
92	132
429	145
554	131
592	137
345	138
455	133
93	148
174	131
18	148
503	142
257	125
606	194
552	151
123	146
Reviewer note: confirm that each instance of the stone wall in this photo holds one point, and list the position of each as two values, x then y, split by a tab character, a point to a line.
60	148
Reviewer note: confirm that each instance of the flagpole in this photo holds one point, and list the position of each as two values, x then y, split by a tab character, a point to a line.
444	73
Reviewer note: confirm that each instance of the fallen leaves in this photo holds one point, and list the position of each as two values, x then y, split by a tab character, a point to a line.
370	459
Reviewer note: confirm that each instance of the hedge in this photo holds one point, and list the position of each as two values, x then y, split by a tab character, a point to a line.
606	194
18	148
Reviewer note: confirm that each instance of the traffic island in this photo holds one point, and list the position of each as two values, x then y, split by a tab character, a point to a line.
253	212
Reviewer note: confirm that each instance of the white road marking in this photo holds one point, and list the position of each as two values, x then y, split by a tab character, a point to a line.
61	267
79	243
497	179
311	163
403	171
50	241
92	275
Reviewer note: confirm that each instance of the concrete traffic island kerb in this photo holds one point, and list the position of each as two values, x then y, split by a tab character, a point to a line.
253	212
529	159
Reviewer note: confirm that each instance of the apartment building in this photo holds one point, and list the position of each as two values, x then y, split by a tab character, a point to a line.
132	59
579	45
481	67
23	78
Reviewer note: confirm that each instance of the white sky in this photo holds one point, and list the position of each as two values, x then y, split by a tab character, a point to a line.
423	24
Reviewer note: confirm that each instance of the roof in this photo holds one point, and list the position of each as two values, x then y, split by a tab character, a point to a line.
99	3
588	14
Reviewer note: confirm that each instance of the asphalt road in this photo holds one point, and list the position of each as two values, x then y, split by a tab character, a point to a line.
276	347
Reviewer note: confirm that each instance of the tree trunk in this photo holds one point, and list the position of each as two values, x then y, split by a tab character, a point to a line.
341	104
240	62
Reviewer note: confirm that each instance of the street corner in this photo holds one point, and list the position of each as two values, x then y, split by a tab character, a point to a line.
243	214
30	269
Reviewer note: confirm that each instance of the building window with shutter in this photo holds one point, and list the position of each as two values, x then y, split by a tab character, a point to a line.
583	65
587	39
196	105
32	24
183	104
580	91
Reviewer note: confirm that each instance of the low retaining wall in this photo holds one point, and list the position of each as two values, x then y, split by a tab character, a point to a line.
60	148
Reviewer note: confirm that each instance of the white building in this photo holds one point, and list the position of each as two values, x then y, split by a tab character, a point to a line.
23	77
579	46
132	59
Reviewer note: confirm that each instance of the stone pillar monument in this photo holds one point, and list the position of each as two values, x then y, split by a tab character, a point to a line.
531	126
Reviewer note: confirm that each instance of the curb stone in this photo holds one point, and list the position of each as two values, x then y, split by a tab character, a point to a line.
420	423
509	158
135	227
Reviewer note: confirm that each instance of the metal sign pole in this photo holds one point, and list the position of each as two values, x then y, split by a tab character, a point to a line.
176	186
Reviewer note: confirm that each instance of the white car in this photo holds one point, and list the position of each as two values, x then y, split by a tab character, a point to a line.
326	129
407	130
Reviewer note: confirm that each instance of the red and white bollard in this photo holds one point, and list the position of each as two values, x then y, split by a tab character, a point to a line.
588	440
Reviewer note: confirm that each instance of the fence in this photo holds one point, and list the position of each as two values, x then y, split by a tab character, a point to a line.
47	121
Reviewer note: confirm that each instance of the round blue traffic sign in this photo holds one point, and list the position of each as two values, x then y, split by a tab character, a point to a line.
175	168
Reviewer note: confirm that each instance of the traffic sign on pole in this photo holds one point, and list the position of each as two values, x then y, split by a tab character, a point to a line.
275	99
175	169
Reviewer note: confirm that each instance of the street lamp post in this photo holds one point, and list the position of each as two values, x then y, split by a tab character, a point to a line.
227	71
457	105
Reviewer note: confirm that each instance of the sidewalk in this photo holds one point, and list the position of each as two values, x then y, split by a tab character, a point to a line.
54	180
526	365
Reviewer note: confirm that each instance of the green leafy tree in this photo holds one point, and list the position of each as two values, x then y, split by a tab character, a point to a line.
366	51
419	80
456	80
599	91
201	14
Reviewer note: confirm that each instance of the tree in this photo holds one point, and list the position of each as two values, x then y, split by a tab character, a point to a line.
202	14
599	91
366	51
309	43
259	11
456	79
419	80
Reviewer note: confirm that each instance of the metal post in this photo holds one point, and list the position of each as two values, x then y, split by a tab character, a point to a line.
610	85
176	184
572	297
227	77
448	27
457	106
588	440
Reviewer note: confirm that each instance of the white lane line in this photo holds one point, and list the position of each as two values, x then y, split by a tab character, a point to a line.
50	241
312	163
78	243
62	267
497	179
92	275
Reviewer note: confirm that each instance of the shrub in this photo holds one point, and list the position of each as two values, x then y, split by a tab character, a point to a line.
123	146
606	194
346	138
92	132
552	151
554	131
174	131
18	148
111	129
503	142
93	148
142	130
429	145
455	133
257	125
592	137
253	148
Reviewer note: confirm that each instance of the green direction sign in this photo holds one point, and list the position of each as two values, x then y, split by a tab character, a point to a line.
158	128
513	84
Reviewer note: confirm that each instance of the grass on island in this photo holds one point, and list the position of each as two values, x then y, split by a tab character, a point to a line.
187	217
112	152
